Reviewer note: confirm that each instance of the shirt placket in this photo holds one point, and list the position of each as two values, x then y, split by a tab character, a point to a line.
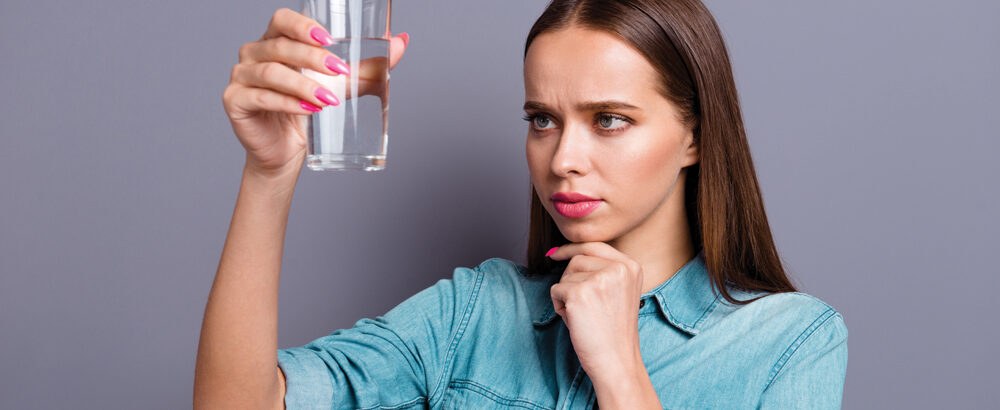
581	392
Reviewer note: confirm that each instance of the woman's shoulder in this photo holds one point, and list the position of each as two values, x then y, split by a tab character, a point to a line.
504	283
506	272
495	276
800	302
796	314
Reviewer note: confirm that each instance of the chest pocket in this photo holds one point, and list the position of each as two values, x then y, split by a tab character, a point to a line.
467	394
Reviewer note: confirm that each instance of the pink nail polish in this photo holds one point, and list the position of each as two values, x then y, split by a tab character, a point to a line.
551	251
321	36
326	96
307	106
337	65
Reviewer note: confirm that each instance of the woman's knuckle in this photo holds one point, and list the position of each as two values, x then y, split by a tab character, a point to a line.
280	13
227	95
268	70
244	52
272	47
621	270
260	98
239	73
302	26
318	55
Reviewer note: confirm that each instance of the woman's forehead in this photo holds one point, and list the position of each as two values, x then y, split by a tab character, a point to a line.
582	64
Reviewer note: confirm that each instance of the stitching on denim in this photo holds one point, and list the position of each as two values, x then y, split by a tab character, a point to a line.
446	369
574	387
705	314
415	401
798	342
407	353
808	296
490	394
681	325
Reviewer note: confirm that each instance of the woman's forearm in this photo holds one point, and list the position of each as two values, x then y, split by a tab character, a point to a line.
237	353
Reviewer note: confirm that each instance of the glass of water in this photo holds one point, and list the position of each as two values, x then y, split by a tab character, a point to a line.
352	135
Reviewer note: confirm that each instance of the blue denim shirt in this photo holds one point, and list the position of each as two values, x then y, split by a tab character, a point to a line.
488	338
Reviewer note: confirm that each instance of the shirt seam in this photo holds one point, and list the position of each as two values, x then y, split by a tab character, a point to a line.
798	342
574	387
453	347
705	314
496	397
409	403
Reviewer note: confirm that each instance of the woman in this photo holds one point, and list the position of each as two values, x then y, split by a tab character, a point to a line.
652	278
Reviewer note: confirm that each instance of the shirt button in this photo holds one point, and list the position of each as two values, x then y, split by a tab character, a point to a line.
642	302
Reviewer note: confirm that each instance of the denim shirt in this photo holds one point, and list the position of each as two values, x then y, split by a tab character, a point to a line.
488	338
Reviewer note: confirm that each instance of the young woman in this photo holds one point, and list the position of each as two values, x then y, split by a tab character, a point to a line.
652	280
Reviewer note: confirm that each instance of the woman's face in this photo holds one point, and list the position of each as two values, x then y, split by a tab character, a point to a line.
598	127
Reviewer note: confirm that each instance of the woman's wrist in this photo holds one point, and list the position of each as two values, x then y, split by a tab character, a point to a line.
289	166
276	181
626	386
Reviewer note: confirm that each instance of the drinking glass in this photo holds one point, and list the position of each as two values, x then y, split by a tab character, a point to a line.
352	135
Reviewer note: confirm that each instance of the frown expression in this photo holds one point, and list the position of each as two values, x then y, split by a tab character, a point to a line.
598	126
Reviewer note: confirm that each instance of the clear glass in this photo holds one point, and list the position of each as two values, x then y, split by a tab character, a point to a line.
352	135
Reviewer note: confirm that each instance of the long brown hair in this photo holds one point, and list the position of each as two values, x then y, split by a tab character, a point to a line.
725	210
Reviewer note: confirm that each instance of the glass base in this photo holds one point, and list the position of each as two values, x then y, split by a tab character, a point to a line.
345	162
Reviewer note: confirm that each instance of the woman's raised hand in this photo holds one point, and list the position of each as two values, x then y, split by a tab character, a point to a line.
268	99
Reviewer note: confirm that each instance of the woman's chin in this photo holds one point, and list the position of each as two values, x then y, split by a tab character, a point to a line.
580	231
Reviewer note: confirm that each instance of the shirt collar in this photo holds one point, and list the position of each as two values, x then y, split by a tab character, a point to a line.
684	300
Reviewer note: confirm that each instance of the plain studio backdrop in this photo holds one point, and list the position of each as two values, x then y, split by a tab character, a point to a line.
873	127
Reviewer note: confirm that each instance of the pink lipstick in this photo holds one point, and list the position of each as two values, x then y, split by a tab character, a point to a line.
574	205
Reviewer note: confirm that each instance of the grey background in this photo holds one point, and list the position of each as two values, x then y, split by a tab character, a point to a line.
872	125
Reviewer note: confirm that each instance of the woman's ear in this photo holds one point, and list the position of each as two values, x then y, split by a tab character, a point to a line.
692	155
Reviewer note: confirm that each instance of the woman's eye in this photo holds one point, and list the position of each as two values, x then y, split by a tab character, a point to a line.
542	122
539	122
610	121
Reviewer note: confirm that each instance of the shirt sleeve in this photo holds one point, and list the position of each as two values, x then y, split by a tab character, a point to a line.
393	360
810	375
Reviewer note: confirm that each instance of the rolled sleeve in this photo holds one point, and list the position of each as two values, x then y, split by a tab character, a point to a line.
811	374
394	360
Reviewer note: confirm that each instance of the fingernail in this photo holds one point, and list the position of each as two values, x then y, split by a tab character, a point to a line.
551	251
305	105
337	65
321	36
326	96
405	37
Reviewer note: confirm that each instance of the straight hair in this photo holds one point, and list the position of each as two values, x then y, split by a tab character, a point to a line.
723	202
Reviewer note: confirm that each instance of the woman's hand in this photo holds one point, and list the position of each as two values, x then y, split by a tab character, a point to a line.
598	299
268	99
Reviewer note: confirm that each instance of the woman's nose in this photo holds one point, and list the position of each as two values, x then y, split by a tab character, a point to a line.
572	154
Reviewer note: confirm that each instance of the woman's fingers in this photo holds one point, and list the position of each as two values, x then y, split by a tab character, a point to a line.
397	47
582	266
281	78
294	25
294	53
248	100
599	249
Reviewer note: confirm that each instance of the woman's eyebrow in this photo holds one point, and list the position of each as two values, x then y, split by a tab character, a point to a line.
585	106
535	106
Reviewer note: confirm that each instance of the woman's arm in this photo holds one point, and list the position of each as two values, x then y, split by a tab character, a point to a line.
811	373
237	363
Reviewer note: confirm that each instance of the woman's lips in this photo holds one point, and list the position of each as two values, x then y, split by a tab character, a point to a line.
576	209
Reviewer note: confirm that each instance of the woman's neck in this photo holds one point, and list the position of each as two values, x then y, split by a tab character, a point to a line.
662	244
